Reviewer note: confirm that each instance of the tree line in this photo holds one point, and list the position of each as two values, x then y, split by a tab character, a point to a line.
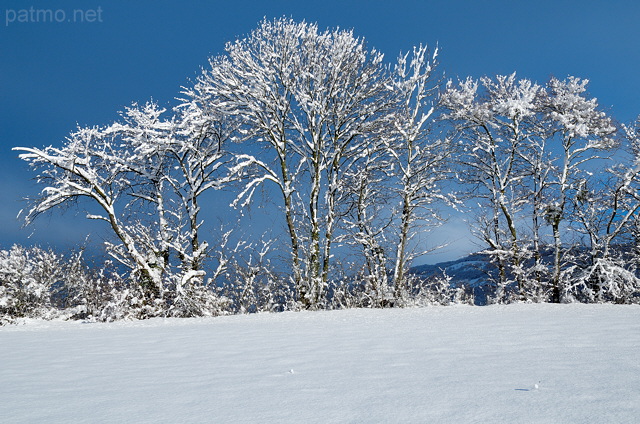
359	157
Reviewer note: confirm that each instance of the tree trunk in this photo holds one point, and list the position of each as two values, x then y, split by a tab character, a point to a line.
314	259
555	280
401	260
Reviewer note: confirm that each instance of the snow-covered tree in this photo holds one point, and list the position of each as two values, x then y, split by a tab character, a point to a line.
495	126
419	158
529	146
145	173
631	135
83	168
140	145
606	208
606	211
580	130
309	98
367	203
538	163
198	152
191	146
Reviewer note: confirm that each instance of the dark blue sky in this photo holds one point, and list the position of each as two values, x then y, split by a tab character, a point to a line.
56	74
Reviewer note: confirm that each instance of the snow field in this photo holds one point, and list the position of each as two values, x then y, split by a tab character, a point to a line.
441	364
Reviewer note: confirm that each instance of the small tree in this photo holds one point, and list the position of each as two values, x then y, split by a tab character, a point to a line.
83	168
146	175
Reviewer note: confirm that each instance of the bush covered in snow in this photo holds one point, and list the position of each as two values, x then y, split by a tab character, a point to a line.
606	280
27	278
38	283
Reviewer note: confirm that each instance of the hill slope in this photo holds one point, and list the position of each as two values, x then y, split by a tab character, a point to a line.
500	364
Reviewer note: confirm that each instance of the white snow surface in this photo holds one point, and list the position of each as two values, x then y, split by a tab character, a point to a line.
457	364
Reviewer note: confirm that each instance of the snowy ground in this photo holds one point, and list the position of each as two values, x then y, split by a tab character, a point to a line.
494	364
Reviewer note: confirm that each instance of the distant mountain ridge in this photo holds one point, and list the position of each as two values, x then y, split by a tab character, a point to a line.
470	271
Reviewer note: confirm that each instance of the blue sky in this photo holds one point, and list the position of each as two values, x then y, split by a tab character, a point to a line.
56	74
